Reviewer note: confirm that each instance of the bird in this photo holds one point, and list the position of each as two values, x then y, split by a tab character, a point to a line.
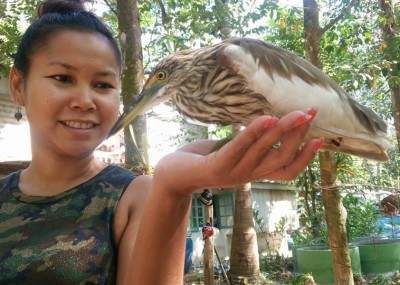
391	204
239	79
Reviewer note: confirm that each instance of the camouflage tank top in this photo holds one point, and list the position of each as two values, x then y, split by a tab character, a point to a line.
62	239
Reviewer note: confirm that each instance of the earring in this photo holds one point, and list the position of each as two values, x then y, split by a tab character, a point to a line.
18	114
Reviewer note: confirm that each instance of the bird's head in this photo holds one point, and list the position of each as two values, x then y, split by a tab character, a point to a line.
152	93
165	79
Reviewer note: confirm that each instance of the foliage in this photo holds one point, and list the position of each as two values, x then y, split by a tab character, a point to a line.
14	18
381	280
351	55
172	26
277	268
303	279
258	219
362	216
310	208
274	263
285	29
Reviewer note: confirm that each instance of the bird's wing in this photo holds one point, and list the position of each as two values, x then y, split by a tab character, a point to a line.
289	83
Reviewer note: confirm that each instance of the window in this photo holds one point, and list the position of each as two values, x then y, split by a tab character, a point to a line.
197	214
223	212
224	208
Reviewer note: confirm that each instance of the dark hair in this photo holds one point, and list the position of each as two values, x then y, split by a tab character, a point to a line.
55	16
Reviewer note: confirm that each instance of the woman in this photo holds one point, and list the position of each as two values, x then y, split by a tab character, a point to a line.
70	218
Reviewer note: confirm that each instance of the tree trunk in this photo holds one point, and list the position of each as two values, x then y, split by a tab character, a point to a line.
245	262
335	220
395	98
331	196
132	78
312	34
244	267
388	37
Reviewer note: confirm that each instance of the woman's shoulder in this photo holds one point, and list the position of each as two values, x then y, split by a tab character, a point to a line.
114	174
6	181
116	170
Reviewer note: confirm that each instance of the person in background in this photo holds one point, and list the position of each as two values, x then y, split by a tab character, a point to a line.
72	219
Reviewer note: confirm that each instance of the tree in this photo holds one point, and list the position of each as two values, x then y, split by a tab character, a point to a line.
132	81
390	49
328	163
244	257
244	263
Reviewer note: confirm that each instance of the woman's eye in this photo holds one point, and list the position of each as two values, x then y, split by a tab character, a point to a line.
63	78
103	85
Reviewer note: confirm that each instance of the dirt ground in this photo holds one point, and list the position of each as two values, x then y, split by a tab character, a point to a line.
195	277
381	279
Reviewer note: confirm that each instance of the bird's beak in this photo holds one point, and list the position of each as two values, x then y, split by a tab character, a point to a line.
137	107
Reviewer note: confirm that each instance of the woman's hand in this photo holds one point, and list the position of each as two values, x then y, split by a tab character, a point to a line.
253	154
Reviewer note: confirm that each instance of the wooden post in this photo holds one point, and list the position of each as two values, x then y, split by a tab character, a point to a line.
208	252
222	267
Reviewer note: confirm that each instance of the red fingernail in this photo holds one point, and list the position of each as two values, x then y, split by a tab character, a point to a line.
270	122
302	120
313	112
308	117
318	144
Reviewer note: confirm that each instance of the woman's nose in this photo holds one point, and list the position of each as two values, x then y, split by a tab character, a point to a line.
83	99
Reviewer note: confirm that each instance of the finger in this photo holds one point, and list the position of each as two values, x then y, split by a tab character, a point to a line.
290	144
202	147
291	141
239	158
304	157
233	151
291	130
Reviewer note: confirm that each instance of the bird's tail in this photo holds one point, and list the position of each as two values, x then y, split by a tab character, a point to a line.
369	146
369	119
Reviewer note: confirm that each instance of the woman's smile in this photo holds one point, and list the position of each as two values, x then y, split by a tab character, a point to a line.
78	125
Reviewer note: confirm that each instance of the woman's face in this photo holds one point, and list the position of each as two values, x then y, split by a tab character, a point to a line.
71	94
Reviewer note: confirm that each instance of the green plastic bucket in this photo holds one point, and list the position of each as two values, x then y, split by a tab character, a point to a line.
379	256
294	249
317	261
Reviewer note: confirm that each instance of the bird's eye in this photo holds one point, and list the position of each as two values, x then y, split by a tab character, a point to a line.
161	75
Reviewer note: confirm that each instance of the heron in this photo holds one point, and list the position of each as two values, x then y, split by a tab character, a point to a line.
238	79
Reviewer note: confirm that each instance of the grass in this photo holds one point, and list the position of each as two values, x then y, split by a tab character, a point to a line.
278	270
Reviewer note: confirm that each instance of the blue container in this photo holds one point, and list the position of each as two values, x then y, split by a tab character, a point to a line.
188	254
389	226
